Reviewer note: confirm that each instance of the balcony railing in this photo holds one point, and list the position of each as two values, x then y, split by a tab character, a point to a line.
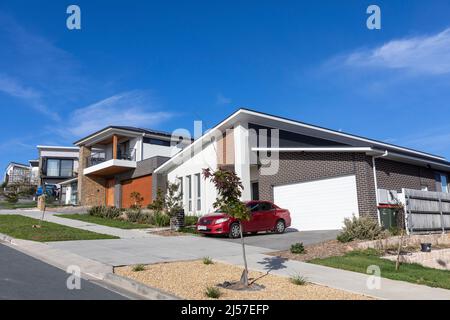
96	159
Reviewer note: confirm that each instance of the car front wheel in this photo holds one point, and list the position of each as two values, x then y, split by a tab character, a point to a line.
235	231
280	227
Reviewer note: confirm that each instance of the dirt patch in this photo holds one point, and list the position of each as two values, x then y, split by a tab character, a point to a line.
189	280
326	249
169	233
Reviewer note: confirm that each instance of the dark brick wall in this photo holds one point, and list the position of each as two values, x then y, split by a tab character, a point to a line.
396	175
302	167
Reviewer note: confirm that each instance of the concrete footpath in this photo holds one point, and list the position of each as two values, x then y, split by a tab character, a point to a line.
340	279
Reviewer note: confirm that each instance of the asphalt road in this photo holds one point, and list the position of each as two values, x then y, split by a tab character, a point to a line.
25	278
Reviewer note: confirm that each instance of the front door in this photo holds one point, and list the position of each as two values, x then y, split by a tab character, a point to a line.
110	184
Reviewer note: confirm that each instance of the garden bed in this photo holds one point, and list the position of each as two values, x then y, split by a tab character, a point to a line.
115	223
185	231
190	279
318	251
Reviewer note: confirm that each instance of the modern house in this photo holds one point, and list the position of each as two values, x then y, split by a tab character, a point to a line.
322	176
57	164
117	161
17	173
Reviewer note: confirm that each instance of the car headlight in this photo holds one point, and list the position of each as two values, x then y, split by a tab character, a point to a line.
221	220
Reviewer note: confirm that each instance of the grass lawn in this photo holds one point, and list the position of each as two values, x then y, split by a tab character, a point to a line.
21	227
7	205
358	261
104	221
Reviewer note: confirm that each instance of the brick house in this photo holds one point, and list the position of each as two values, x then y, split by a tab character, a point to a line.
117	161
322	176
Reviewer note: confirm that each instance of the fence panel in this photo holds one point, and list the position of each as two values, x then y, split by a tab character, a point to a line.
427	211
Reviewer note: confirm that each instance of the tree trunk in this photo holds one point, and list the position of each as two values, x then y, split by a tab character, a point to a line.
397	263
244	277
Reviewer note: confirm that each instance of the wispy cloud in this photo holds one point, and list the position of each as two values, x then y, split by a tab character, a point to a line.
435	141
423	54
31	96
133	108
222	100
35	70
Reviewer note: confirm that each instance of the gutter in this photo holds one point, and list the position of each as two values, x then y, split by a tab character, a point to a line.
385	154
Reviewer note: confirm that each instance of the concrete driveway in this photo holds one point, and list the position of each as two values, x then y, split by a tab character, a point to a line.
278	242
153	249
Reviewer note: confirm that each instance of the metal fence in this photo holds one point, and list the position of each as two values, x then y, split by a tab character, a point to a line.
426	211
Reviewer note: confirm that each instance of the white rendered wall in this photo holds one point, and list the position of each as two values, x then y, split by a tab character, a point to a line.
242	158
207	158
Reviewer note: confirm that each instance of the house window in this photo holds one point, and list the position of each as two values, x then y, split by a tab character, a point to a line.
66	168
199	192
180	187
441	182
255	191
189	192
444	183
53	168
158	142
59	168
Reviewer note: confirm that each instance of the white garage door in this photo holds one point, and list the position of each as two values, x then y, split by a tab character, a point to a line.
319	205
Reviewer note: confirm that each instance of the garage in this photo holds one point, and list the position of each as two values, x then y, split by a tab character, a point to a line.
143	185
320	204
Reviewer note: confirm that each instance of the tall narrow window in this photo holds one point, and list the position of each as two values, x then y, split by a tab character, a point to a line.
441	182
180	187
444	183
199	191
189	192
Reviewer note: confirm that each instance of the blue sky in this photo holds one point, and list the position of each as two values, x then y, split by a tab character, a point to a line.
164	64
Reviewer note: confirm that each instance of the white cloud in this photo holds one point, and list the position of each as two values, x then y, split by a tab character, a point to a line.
222	100
31	96
133	108
436	141
424	54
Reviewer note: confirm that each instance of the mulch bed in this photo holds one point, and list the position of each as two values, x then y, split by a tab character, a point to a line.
326	249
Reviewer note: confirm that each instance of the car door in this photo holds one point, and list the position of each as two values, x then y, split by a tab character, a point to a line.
267	216
253	223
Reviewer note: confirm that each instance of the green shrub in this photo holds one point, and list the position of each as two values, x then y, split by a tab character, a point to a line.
105	212
95	211
160	219
190	220
207	261
362	228
134	215
298	280
12	197
138	267
213	292
394	231
298	248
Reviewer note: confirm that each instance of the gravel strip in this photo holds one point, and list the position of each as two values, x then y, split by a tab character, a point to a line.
189	280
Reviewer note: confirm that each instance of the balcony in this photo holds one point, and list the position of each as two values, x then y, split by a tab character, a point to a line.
100	164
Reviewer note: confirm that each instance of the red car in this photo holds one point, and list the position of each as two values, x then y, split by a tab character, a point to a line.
266	216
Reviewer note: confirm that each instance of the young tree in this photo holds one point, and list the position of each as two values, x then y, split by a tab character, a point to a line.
229	188
172	201
137	199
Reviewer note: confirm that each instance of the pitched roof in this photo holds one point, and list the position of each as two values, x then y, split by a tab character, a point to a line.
251	114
